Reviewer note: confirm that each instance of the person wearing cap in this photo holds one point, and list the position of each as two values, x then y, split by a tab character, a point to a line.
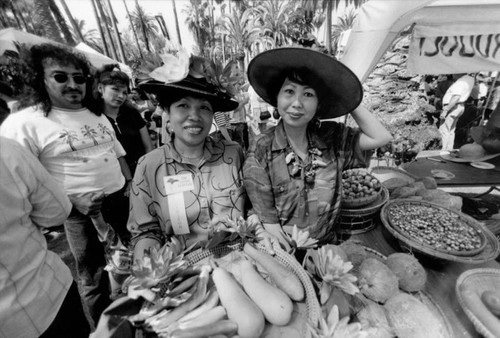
187	187
293	173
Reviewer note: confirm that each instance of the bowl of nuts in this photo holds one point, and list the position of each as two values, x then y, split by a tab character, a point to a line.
433	230
359	188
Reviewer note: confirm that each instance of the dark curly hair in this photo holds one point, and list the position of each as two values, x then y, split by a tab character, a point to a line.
39	54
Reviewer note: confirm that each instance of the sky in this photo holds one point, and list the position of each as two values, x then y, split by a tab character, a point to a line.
82	9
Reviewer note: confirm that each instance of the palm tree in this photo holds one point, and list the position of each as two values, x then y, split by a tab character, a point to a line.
344	23
89	37
105	19
117	33
43	17
144	22
274	17
177	23
241	32
61	22
133	29
76	30
101	31
198	21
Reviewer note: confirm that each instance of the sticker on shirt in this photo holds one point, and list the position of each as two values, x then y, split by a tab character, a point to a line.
175	186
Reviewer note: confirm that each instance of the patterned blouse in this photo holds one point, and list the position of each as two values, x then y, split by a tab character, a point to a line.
218	191
283	189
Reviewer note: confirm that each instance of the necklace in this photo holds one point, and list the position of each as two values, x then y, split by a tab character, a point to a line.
305	169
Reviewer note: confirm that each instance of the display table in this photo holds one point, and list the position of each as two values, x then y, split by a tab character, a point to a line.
442	276
465	174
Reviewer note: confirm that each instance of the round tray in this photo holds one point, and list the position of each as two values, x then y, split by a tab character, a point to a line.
490	252
480	280
385	173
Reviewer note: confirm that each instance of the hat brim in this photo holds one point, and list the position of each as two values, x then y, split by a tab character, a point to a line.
344	89
219	104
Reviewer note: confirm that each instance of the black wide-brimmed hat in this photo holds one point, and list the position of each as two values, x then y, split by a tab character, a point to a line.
343	89
191	86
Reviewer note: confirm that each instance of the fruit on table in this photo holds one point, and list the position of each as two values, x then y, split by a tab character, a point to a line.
356	253
274	303
357	184
410	318
374	320
239	307
282	277
491	298
411	274
377	281
435	227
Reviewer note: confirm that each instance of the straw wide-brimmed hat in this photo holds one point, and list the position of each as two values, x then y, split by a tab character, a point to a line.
266	70
191	86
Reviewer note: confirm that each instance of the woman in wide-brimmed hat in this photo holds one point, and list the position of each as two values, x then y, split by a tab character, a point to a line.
189	185
293	176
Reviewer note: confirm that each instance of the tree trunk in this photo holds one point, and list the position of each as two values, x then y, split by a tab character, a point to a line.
14	12
77	30
329	10
117	33
101	32
106	29
177	23
45	19
133	29
26	27
63	26
143	28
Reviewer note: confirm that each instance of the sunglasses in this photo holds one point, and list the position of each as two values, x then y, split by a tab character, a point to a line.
63	78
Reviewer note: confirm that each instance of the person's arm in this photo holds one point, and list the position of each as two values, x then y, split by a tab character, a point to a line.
143	222
126	173
373	133
453	102
146	140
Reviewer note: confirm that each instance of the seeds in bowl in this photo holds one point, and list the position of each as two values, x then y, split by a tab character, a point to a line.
438	228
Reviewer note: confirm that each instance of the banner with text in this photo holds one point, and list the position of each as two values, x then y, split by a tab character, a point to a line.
459	48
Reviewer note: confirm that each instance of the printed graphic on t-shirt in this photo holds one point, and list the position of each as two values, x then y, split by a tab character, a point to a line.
87	137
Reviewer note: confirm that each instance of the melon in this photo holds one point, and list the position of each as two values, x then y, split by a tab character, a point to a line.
411	274
410	318
377	281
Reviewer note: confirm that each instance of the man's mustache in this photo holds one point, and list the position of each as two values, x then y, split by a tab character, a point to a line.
72	91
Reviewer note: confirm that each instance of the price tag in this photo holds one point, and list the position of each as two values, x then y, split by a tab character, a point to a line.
174	187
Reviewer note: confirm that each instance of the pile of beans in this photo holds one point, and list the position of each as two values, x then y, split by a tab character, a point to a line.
439	228
358	184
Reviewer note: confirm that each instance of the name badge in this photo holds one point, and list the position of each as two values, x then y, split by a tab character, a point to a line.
174	187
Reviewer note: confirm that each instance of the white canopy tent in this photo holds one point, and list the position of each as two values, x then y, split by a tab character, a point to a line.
450	36
9	36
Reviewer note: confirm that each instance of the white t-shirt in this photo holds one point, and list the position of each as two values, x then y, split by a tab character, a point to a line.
462	87
78	148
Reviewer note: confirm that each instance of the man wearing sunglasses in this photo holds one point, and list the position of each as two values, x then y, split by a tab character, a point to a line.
78	147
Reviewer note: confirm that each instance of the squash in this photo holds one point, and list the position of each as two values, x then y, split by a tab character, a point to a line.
274	303
284	278
491	298
239	307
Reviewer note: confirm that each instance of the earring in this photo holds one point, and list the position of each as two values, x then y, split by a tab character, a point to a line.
317	122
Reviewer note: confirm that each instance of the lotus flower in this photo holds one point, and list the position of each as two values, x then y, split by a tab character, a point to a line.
300	239
332	271
334	327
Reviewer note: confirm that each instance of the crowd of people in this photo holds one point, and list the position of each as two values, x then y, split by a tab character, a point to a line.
460	101
79	153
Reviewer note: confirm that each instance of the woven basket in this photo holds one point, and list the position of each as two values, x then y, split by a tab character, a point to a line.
356	203
311	301
478	280
489	249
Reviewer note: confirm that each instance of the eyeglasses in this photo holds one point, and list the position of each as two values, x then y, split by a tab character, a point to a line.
63	78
